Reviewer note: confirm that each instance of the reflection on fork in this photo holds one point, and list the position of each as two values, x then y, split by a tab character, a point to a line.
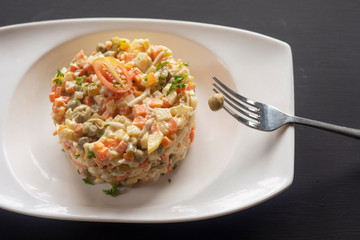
265	117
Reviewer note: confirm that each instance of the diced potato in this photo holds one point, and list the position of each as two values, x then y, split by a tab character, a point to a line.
142	61
120	43
154	141
133	130
139	44
144	140
162	114
181	110
120	134
172	97
111	106
181	121
69	76
92	90
66	133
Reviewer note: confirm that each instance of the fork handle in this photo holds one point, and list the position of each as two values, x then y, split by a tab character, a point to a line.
351	132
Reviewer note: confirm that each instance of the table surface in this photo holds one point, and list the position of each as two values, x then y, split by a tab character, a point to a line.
324	199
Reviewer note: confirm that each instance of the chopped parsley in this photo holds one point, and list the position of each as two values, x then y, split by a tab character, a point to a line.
177	83
78	171
146	77
169	180
116	86
174	167
89	84
57	81
77	156
112	191
185	64
161	64
78	81
88	181
101	133
62	150
106	125
59	73
91	154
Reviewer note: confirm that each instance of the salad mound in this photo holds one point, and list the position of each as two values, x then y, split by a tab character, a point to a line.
125	113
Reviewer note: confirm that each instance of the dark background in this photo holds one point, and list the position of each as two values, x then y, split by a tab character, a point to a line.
324	200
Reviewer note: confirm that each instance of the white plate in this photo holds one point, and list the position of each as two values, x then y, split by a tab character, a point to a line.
229	168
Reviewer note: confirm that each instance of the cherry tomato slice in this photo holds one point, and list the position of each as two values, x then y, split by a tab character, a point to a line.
112	74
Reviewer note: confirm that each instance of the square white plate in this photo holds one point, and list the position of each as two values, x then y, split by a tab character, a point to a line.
229	167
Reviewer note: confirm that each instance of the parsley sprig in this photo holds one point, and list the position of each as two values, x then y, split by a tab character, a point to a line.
59	73
161	64
91	154
88	181
112	191
177	83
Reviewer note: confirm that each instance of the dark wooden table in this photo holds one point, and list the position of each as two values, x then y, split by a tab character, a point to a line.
324	200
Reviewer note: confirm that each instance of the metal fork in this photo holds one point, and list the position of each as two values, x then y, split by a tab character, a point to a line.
267	118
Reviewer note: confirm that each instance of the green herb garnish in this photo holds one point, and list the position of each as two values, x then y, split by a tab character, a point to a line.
77	156
116	86
57	81
106	125
175	166
91	154
161	64
177	83
88	181
89	84
78	81
169	180
101	133
112	191
59	73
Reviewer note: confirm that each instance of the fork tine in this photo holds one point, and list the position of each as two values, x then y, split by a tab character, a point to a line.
247	114
235	94
241	119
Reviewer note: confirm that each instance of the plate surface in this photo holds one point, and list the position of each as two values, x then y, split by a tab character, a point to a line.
229	167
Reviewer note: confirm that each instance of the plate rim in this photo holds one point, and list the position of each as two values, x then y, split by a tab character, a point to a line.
73	217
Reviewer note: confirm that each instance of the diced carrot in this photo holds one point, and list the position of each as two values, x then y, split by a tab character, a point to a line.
103	153
169	168
88	68
128	156
151	80
70	89
121	178
139	122
164	158
192	134
155	127
166	142
155	102
61	101
58	90
79	164
80	54
137	93
166	103
127	57
121	147
111	142
190	86
144	164
140	110
125	111
78	128
88	100
52	96
106	115
173	125
99	145
73	68
154	51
